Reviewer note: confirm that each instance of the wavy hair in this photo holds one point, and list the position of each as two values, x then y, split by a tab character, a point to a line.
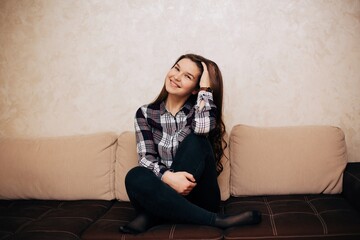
216	136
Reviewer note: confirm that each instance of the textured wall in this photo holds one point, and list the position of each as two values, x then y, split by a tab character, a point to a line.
72	67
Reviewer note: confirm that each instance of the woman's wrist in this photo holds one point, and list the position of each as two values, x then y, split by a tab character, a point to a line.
207	89
165	175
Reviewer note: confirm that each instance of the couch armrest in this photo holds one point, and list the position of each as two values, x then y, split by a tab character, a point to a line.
351	184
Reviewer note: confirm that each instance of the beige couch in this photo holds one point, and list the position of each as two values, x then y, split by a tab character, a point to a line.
278	161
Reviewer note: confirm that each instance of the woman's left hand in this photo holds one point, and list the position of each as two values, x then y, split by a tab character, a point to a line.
182	182
205	79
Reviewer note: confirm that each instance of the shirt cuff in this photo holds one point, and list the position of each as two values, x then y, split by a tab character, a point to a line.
206	97
163	171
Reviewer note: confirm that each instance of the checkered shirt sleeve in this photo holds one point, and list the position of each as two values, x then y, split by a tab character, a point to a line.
205	118
148	155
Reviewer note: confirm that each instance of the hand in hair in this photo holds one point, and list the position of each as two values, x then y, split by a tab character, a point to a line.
205	79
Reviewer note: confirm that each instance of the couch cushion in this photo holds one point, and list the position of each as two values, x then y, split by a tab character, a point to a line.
126	158
286	160
61	168
317	216
39	219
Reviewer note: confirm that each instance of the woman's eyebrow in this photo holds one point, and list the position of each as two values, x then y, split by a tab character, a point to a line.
191	75
177	65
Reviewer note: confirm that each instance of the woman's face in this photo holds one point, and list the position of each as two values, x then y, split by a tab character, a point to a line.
182	80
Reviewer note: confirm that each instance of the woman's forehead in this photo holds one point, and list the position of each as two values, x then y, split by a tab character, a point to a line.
189	66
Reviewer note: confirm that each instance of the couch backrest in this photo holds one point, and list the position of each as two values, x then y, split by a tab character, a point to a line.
63	168
286	160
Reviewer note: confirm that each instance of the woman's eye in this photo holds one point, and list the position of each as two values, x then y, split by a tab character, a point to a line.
177	68
188	77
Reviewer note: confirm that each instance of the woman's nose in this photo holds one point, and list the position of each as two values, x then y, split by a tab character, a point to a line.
177	76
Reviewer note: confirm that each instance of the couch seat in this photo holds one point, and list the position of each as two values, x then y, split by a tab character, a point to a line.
296	216
36	219
284	217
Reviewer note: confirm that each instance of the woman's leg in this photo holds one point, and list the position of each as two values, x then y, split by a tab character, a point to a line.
195	156
153	196
143	220
193	147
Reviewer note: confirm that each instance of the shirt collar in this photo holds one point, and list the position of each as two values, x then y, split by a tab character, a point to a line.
162	108
186	108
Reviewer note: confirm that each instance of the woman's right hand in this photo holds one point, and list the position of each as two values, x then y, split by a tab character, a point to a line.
205	78
182	182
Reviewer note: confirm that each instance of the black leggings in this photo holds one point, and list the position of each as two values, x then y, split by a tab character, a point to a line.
149	194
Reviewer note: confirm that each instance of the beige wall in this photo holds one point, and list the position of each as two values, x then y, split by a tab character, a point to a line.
72	67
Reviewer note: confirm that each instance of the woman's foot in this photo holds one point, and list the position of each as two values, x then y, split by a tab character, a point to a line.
125	229
245	218
140	224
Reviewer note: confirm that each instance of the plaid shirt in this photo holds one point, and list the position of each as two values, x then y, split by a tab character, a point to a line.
159	133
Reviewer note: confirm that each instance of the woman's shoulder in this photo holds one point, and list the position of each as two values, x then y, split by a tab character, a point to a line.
150	106
146	108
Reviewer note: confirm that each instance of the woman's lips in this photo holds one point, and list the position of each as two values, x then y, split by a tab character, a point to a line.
174	84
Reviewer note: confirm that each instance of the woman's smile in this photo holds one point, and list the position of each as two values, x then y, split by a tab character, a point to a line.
183	78
174	84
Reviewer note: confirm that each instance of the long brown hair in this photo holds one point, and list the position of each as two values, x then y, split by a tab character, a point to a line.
216	136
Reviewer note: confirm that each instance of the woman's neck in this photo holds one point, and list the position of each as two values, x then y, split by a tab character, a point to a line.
174	104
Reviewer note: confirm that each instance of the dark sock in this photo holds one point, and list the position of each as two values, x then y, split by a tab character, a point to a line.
245	218
140	224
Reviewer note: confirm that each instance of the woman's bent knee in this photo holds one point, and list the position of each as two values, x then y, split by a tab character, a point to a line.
198	142
137	175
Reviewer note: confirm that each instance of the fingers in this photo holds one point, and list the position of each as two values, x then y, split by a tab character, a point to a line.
182	182
188	189
204	66
205	79
189	185
190	177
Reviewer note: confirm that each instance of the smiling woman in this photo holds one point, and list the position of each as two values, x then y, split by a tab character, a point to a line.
179	144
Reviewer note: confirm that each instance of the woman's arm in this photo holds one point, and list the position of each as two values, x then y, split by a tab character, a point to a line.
148	155
205	109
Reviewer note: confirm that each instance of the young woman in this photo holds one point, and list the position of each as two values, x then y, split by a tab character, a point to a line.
179	143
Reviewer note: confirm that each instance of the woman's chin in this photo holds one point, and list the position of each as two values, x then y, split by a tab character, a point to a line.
171	90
